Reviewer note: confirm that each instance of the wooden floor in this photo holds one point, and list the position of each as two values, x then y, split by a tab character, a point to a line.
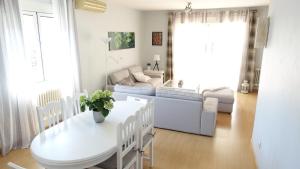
230	148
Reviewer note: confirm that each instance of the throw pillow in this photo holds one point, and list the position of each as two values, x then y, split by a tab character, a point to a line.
127	81
140	77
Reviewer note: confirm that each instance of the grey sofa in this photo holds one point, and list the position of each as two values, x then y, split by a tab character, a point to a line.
225	98
144	88
180	111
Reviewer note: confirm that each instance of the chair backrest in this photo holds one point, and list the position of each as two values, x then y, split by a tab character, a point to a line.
11	165
136	99
77	101
127	138
146	119
68	107
51	113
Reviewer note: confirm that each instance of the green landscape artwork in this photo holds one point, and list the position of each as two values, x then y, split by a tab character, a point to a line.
121	40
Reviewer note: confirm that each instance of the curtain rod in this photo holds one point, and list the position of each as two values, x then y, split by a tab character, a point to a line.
220	9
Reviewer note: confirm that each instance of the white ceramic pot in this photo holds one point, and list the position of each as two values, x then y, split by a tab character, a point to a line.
98	117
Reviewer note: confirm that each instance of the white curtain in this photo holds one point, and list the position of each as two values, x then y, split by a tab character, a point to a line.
17	116
208	47
67	74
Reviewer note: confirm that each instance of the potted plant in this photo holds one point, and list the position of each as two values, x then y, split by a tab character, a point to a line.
100	102
149	66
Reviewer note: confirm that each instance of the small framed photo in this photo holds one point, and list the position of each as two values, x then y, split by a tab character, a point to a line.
156	38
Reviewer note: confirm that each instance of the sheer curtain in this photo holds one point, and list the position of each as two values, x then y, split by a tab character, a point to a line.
18	124
61	64
66	75
17	117
208	47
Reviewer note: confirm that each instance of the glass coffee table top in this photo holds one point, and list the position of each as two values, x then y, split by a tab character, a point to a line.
178	84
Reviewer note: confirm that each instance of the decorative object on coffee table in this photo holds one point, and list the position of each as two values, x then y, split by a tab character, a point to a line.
157	38
180	83
156	58
100	102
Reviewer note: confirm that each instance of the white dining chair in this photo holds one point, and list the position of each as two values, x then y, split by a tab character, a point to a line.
146	133
51	113
71	106
11	165
127	150
68	107
77	101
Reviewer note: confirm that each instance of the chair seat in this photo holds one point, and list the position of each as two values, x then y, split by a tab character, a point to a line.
111	163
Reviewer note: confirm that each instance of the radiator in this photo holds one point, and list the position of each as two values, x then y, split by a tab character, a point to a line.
256	77
48	96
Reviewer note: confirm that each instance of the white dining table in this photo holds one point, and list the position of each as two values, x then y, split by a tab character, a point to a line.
79	142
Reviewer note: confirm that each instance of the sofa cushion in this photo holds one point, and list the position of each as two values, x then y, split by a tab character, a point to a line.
224	95
142	90
178	94
155	82
127	81
140	77
134	69
119	76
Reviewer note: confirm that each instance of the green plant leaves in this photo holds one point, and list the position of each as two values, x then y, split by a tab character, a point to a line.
100	101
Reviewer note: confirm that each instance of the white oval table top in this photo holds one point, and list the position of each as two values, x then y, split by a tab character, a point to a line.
79	142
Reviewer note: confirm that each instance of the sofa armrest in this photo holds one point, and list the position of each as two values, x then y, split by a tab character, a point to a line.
209	116
154	74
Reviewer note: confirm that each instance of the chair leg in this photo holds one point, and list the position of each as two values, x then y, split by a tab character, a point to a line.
137	165
151	154
141	161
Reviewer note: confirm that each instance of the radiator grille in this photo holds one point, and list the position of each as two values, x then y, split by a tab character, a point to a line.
48	96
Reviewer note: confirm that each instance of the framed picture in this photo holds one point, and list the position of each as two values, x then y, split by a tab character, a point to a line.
121	40
157	38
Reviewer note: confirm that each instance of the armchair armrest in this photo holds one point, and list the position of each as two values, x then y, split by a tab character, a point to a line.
209	116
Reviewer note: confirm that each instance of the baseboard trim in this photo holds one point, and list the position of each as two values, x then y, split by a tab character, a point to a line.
255	153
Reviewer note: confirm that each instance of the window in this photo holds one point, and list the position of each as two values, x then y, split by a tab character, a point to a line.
209	53
39	30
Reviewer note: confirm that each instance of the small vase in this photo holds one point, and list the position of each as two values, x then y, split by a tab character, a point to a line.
98	117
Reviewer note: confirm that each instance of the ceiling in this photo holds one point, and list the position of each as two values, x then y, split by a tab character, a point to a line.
180	4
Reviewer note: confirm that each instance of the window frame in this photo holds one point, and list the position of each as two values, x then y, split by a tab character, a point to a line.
37	22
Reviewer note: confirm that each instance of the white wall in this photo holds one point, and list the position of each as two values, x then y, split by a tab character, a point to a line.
154	21
276	135
92	29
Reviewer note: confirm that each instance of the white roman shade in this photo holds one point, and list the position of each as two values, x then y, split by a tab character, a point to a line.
91	5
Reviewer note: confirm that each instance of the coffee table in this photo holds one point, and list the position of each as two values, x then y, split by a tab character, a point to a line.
186	86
